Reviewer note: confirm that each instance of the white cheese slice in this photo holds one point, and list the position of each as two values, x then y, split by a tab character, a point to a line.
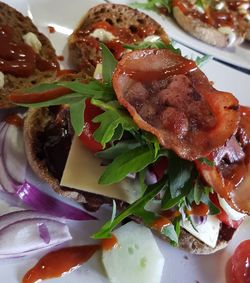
83	170
102	35
207	233
1	80
32	40
136	258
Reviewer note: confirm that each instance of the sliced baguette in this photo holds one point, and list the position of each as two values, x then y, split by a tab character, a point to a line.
205	32
22	25
85	56
92	202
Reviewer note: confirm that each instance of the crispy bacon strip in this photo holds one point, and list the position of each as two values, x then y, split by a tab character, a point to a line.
167	95
230	178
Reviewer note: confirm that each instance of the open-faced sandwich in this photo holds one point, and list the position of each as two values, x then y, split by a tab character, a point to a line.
26	56
158	138
216	22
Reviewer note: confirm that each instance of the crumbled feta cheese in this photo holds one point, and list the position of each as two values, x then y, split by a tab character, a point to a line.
232	214
102	35
151	38
242	9
247	17
230	33
219	6
32	40
1	80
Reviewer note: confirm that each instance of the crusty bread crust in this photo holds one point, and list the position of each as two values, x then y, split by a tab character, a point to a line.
121	16
21	25
203	31
35	122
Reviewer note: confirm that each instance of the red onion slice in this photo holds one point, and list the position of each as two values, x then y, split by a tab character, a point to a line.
14	154
44	232
43	202
23	237
17	216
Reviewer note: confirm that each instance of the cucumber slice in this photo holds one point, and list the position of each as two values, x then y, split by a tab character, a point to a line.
136	258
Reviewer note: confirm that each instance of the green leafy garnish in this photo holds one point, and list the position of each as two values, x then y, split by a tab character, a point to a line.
179	173
77	117
135	208
154	5
128	162
170	231
109	121
108	64
159	44
200	61
206	161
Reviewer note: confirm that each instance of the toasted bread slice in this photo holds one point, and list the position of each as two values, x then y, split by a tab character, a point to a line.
38	159
83	48
220	37
21	26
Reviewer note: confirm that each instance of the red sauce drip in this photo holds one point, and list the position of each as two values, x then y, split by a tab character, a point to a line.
210	16
54	264
116	48
19	59
160	223
24	98
199	210
109	243
181	6
143	76
169	214
51	29
15	120
60	58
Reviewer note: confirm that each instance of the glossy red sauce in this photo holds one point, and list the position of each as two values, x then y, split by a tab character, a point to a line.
56	263
149	75
51	29
23	98
238	267
15	120
160	223
19	59
109	243
199	210
210	16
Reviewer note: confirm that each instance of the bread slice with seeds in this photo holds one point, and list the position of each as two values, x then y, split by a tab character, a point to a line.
84	49
24	31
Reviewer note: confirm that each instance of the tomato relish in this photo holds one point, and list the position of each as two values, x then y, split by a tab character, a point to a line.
19	59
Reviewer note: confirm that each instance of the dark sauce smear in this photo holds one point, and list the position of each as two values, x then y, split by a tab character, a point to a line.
56	141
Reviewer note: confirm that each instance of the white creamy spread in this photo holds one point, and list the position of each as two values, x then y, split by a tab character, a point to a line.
102	35
32	40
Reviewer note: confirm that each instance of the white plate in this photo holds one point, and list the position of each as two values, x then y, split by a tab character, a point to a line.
238	56
180	266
